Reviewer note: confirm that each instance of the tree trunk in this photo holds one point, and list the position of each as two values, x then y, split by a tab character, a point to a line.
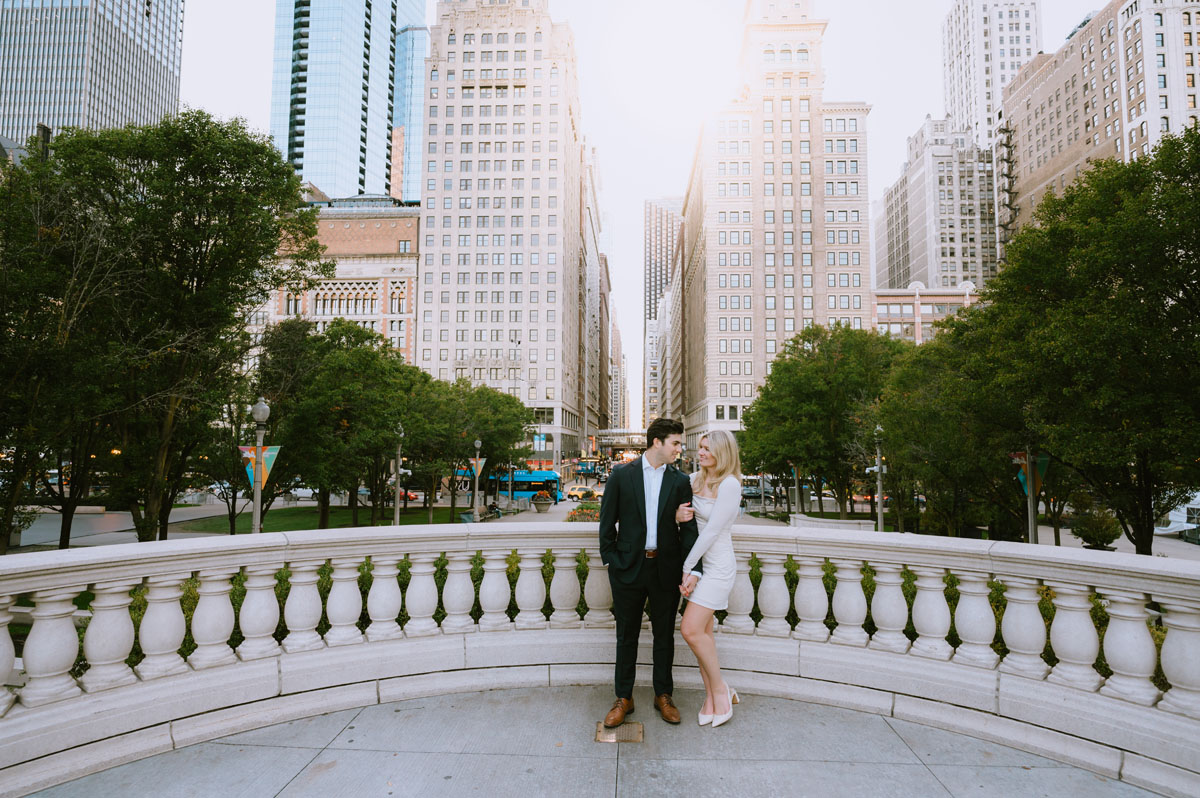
354	505
431	495
323	508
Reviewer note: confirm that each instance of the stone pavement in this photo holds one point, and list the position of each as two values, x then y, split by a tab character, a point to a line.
540	741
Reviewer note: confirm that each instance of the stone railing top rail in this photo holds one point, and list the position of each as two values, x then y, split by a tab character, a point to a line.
77	568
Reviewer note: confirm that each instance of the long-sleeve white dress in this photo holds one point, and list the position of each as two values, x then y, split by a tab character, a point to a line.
714	518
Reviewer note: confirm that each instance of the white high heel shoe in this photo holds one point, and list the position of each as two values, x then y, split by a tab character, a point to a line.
703	719
733	699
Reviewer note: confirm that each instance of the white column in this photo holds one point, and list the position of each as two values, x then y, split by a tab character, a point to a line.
1074	639
889	610
931	615
494	593
458	594
1024	629
302	610
384	599
1129	650
1180	657
7	653
162	629
344	604
212	621
530	591
812	602
51	648
741	600
849	604
597	593
975	622
564	592
109	638
259	614
773	599
421	597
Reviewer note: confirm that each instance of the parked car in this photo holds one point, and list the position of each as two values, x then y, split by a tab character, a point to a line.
603	477
751	492
597	493
578	492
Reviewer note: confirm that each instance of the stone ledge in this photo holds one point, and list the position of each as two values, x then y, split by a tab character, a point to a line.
1159	777
76	763
330	667
466	681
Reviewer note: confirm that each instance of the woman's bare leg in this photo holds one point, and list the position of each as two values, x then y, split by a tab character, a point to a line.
697	632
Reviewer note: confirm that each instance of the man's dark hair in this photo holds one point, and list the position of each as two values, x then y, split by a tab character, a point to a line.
661	429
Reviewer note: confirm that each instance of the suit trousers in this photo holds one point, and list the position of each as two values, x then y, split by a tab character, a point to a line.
628	602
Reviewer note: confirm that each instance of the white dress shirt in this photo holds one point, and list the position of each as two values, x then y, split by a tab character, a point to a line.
652	479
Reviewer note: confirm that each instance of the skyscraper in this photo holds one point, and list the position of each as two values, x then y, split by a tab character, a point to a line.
408	136
101	64
661	220
984	45
510	283
775	220
332	90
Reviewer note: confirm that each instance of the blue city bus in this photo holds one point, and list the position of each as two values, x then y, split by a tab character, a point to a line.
527	483
589	466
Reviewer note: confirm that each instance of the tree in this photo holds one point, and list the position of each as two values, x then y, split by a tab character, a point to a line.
1098	322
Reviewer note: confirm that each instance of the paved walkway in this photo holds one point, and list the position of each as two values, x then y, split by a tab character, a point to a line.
540	741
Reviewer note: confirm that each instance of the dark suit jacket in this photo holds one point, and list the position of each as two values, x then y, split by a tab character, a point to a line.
623	524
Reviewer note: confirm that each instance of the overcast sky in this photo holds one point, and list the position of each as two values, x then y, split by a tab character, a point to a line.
650	72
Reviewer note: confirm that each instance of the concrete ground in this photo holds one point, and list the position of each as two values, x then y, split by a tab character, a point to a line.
540	741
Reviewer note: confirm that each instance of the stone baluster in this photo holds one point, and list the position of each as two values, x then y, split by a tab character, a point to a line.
162	629
1024	629
931	615
773	599
7	653
259	614
494	593
421	598
302	610
597	592
741	600
1129	650
212	621
812	602
564	591
51	648
849	604
975	622
384	600
1180	657
889	610
458	594
109	638
343	605
1074	639
530	591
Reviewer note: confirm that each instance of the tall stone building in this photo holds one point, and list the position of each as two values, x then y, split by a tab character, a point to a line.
89	65
775	219
332	90
939	220
510	284
1125	77
618	417
984	45
661	224
373	241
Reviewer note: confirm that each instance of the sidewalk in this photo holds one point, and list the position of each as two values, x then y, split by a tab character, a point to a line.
114	526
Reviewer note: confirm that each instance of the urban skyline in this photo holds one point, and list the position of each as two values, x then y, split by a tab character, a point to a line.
655	162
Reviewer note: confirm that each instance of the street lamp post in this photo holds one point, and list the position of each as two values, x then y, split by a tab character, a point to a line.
399	469
879	477
261	411
475	493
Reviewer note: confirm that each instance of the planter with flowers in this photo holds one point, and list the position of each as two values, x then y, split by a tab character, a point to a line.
542	501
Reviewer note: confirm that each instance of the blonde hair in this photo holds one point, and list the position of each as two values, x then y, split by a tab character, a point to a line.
724	450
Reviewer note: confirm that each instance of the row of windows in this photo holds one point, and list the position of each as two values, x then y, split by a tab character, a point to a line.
468	111
497	297
495	241
464	222
493	166
487	128
486	38
497	203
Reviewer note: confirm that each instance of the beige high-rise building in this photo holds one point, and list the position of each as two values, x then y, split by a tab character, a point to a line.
661	221
775	219
939	219
1125	77
510	267
984	44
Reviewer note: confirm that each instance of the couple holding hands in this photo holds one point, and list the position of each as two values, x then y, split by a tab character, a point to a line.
664	535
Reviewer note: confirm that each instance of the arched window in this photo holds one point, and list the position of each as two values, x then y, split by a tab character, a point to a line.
769	56
1158	20
785	56
802	54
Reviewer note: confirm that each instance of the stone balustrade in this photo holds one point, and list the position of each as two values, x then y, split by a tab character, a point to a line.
190	640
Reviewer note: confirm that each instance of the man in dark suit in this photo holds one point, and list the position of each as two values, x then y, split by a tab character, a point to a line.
644	549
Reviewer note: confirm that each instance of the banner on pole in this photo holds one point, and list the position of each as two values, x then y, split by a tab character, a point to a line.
248	460
1040	463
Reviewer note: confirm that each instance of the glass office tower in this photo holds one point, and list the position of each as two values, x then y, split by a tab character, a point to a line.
87	63
332	90
412	48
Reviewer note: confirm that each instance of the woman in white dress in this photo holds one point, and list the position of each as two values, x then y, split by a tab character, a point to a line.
716	502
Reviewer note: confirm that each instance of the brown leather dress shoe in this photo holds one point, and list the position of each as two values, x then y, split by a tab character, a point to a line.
666	707
620	708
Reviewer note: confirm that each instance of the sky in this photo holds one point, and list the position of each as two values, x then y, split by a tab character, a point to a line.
651	71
